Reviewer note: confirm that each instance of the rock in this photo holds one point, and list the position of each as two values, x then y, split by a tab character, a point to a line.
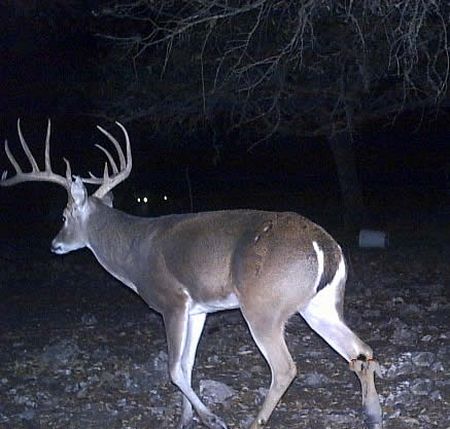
28	414
101	353
426	338
436	396
401	367
437	367
341	419
88	319
423	359
410	421
396	300
403	335
315	379
215	392
161	362
422	387
60	353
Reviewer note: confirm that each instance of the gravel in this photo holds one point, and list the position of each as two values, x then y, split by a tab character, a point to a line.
78	350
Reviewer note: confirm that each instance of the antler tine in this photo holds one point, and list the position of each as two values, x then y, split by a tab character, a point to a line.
116	145
68	170
126	162
48	165
93	179
11	158
26	149
110	159
105	173
46	175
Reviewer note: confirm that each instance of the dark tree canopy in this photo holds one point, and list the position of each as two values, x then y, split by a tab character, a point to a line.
311	67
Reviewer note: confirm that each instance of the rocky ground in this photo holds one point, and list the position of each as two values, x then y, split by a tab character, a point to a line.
78	350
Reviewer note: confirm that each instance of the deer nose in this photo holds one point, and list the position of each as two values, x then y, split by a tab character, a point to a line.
56	247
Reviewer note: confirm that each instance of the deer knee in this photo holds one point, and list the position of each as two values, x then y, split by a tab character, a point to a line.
283	378
176	374
292	371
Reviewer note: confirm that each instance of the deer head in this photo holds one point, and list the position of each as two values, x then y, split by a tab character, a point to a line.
73	234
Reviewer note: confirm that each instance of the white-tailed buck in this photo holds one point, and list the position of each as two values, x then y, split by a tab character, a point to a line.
269	265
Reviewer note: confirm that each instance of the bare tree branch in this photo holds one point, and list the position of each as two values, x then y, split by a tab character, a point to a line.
279	61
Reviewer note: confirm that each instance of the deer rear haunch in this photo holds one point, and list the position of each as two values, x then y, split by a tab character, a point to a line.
269	265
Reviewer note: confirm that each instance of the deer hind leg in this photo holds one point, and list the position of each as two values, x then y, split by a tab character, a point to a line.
268	333
181	357
324	316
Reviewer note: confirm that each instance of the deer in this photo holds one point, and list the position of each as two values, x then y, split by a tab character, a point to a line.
270	265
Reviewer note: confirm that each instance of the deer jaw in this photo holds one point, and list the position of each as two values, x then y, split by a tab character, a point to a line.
73	234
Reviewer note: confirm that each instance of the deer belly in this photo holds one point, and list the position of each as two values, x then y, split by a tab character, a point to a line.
229	302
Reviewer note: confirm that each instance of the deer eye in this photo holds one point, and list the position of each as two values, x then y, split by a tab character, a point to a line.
64	219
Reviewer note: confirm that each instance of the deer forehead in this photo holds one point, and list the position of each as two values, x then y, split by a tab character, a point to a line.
75	210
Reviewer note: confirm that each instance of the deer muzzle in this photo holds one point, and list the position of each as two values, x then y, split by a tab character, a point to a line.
57	247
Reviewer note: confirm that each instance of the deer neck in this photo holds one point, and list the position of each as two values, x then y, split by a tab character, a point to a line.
115	238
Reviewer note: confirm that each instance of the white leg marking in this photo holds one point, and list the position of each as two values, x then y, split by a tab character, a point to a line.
195	329
320	264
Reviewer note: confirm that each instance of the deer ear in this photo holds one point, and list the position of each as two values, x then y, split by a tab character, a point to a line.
78	191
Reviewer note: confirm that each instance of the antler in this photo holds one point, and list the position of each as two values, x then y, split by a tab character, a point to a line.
108	182
46	175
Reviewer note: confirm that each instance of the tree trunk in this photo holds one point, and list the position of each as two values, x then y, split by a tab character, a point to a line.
353	210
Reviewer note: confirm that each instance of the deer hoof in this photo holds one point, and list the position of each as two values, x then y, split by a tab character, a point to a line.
365	370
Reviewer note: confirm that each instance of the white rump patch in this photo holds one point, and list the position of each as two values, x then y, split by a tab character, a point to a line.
323	305
320	264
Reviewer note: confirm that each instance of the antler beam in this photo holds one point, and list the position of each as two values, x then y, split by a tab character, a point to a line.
46	175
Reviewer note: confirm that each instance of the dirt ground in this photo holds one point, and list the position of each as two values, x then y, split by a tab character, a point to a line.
78	350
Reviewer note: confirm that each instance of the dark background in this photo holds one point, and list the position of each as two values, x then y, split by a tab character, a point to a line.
52	66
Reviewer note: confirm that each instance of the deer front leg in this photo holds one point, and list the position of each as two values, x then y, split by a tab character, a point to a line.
195	328
180	345
365	369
